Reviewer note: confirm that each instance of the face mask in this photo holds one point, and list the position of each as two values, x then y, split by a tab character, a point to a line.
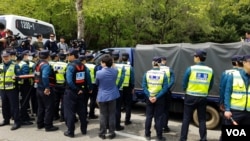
30	58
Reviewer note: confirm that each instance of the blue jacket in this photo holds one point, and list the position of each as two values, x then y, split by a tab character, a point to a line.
229	89
187	75
45	70
106	82
69	77
223	82
164	86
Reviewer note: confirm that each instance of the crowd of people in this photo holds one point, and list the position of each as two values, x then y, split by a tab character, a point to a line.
56	75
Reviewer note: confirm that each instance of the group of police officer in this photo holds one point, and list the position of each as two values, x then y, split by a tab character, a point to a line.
48	80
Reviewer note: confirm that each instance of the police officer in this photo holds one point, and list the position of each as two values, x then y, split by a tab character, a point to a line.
44	78
82	58
155	85
236	100
78	81
92	105
127	87
119	82
25	88
171	79
198	80
59	68
8	91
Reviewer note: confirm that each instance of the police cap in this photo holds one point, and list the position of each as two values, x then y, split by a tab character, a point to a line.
82	57
25	52
5	53
73	51
44	54
157	59
125	55
200	53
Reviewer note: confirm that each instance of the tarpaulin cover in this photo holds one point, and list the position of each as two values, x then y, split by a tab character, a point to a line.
180	57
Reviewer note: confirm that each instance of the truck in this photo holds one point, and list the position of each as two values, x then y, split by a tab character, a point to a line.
179	58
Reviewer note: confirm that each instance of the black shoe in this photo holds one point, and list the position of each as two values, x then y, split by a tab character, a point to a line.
119	128
128	122
93	117
15	126
84	132
53	128
111	136
161	139
148	138
4	123
31	119
62	119
102	136
56	118
166	130
27	123
68	134
40	126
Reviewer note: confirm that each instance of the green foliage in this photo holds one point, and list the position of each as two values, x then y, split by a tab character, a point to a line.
113	23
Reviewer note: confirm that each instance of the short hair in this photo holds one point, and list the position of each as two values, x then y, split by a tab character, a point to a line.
108	60
2	26
39	35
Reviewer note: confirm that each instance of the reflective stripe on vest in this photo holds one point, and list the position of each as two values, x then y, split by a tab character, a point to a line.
154	80
119	68
21	81
91	68
239	97
7	81
127	75
199	80
166	69
60	68
31	65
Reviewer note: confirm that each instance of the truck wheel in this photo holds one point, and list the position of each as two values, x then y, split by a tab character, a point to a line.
212	117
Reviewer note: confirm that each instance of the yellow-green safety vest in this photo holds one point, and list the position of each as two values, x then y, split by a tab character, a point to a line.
91	68
127	75
119	68
154	80
60	67
31	65
199	80
239	97
21	63
166	69
7	81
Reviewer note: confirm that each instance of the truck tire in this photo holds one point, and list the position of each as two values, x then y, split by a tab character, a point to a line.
213	117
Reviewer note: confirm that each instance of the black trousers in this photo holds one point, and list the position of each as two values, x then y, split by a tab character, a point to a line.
24	102
59	94
154	110
10	105
46	107
127	98
74	103
92	104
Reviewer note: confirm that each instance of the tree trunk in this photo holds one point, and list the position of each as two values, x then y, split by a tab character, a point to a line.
80	19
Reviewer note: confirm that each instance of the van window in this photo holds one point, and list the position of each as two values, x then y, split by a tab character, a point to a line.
28	28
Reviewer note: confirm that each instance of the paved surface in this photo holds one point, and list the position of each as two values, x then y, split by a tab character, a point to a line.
132	132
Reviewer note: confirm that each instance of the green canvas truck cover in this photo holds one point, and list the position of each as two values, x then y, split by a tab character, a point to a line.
180	57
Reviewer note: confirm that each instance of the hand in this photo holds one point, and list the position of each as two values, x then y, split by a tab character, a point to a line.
80	92
133	91
47	91
152	99
222	107
227	114
90	91
14	77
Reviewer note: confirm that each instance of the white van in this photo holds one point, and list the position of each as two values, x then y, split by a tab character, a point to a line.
27	26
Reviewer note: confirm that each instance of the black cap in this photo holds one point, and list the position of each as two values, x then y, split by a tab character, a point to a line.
240	58
200	53
163	58
73	51
234	58
246	57
157	59
44	54
53	54
82	57
25	52
89	56
125	54
12	52
115	54
33	54
5	53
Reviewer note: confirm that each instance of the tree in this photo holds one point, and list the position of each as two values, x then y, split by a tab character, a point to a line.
80	19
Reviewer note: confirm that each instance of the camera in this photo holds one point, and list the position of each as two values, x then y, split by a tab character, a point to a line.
78	43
